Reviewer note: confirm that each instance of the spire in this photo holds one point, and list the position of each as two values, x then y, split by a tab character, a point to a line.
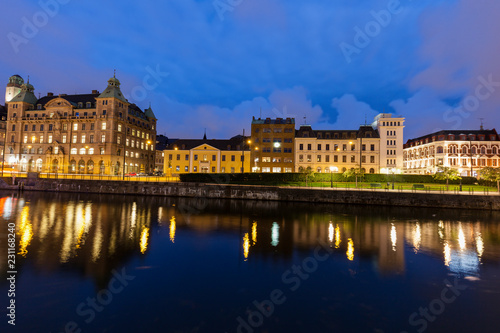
205	135
149	112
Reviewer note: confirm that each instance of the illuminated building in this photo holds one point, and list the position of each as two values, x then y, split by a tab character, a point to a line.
466	151
207	156
272	145
97	133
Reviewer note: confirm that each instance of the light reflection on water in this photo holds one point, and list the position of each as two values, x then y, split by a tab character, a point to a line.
95	235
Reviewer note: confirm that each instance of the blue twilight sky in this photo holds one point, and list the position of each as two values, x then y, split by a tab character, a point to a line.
215	64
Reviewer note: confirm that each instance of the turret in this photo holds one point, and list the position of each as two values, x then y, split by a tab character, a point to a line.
13	87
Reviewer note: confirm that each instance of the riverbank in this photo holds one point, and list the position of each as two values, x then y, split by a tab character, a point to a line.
383	197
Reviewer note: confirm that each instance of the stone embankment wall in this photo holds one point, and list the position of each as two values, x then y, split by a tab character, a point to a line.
246	192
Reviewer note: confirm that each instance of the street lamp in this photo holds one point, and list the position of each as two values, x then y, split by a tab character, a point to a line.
460	174
393	170
331	177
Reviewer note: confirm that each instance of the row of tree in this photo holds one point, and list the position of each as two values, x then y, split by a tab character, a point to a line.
443	173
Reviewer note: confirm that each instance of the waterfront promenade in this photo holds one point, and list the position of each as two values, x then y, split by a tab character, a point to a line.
384	197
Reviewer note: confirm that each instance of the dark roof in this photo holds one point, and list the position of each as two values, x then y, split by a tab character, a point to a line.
306	131
489	135
74	99
186	144
3	112
161	142
273	121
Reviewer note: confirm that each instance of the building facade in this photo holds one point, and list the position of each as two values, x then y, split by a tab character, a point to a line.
466	151
98	133
207	156
390	129
337	150
271	143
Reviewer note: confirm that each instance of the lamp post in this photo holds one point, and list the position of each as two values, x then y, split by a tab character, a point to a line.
331	177
393	170
460	174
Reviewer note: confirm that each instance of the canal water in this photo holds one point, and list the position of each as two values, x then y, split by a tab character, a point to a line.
103	263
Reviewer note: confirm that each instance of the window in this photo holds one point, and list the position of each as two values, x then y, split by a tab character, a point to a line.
232	158
353	159
75	127
277	169
327	147
73	151
195	169
266	159
103	138
372	159
327	158
186	157
344	147
319	146
301	146
318	158
372	147
82	151
102	150
309	146
223	158
178	157
83	138
344	159
91	151
92	126
363	159
266	169
118	139
26	128
103	126
41	138
119	127
309	158
50	138
186	169
196	157
301	158
213	158
13	128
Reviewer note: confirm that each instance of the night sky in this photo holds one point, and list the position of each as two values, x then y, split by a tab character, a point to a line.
215	64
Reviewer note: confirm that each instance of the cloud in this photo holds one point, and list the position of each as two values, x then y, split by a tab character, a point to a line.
351	112
188	121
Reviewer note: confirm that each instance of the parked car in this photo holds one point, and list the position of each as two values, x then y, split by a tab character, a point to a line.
132	174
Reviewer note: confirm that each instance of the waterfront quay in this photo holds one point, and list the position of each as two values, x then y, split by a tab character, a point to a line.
221	190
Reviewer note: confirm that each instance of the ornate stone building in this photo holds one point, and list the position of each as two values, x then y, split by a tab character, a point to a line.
98	133
466	151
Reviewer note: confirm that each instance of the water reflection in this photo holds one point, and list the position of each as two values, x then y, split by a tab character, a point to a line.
98	233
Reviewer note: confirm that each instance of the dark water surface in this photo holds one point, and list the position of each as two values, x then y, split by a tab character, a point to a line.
90	263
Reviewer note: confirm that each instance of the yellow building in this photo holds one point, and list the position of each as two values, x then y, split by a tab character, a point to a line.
98	133
337	150
207	156
272	145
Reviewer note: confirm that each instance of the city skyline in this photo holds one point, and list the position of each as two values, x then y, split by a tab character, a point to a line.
208	64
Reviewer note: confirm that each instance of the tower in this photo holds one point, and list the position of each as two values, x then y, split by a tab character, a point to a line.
13	87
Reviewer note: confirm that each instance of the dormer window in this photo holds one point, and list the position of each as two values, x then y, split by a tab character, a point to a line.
39	106
80	105
89	105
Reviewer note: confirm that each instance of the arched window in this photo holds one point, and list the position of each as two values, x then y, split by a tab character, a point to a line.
473	149
82	151
72	166
73	151
90	166
372	170
91	151
81	166
495	150
319	169
439	150
483	150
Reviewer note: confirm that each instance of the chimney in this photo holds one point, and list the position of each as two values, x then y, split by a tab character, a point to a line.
50	94
94	92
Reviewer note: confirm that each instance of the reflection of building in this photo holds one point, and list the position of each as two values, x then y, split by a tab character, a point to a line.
89	133
272	145
207	156
161	145
466	151
3	129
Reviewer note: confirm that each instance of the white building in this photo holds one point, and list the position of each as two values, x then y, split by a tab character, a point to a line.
467	151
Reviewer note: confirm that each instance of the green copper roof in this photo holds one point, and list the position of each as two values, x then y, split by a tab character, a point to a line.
113	90
149	113
26	95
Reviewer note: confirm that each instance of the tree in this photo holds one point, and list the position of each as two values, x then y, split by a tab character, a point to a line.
307	171
446	173
492	175
354	173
